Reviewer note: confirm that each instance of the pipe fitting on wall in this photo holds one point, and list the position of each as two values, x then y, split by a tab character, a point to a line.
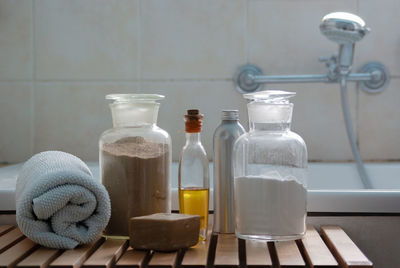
373	77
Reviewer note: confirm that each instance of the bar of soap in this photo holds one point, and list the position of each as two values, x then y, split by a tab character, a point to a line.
164	231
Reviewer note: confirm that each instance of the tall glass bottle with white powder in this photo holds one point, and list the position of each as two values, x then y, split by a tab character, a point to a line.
270	172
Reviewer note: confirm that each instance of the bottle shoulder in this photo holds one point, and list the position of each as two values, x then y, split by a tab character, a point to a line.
275	139
107	132
196	149
150	133
296	137
162	134
229	129
272	148
194	161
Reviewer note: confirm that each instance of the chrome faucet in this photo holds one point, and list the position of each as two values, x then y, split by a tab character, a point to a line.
345	29
342	28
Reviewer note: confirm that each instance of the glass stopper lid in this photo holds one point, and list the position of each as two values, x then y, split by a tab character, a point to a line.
273	96
135	97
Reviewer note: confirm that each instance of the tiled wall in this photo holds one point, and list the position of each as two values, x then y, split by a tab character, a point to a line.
59	58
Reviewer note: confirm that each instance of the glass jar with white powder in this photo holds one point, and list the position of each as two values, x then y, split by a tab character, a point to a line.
270	172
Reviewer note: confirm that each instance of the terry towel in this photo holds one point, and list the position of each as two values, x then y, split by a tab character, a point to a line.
58	203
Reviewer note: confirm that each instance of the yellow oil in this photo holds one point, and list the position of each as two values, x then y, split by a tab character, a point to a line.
194	201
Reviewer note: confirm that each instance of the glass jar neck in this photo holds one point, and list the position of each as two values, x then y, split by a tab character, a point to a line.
193	138
274	127
134	114
270	116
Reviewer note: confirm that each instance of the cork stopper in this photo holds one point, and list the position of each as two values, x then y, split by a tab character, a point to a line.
193	121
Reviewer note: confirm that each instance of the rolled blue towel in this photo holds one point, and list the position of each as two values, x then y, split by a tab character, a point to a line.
58	203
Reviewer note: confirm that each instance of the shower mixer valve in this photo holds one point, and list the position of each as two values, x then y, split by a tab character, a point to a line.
332	65
345	29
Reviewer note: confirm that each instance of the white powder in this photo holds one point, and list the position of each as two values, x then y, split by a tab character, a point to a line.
269	207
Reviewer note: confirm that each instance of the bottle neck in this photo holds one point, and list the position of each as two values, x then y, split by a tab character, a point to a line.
193	138
230	121
269	116
273	127
134	114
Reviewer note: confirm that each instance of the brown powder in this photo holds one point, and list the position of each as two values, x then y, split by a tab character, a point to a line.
135	173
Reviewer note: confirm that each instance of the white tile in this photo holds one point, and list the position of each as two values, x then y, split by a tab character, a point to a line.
383	42
318	118
209	97
284	36
15	40
93	39
71	116
317	114
380	123
15	127
192	39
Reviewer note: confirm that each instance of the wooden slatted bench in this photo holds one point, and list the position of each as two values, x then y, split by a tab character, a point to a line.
332	248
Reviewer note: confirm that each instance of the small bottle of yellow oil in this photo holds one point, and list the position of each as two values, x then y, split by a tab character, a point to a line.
193	173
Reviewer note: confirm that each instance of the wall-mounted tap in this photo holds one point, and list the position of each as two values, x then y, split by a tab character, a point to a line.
342	28
345	29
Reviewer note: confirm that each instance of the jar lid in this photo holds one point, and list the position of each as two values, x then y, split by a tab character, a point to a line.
270	106
272	96
134	97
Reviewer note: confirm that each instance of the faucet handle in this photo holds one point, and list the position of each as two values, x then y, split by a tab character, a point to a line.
332	64
323	59
332	58
329	61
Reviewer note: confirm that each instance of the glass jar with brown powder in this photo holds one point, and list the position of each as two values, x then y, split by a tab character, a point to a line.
135	157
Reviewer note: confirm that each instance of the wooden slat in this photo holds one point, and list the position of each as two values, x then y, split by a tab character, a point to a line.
257	254
197	256
315	251
226	254
344	249
16	253
20	252
40	258
76	257
107	254
9	239
288	254
164	260
5	228
132	258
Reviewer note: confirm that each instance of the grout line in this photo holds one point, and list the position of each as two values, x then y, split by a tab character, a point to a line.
32	125
139	44
33	38
87	80
32	118
212	79
110	81
15	80
11	81
246	31
357	115
129	81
